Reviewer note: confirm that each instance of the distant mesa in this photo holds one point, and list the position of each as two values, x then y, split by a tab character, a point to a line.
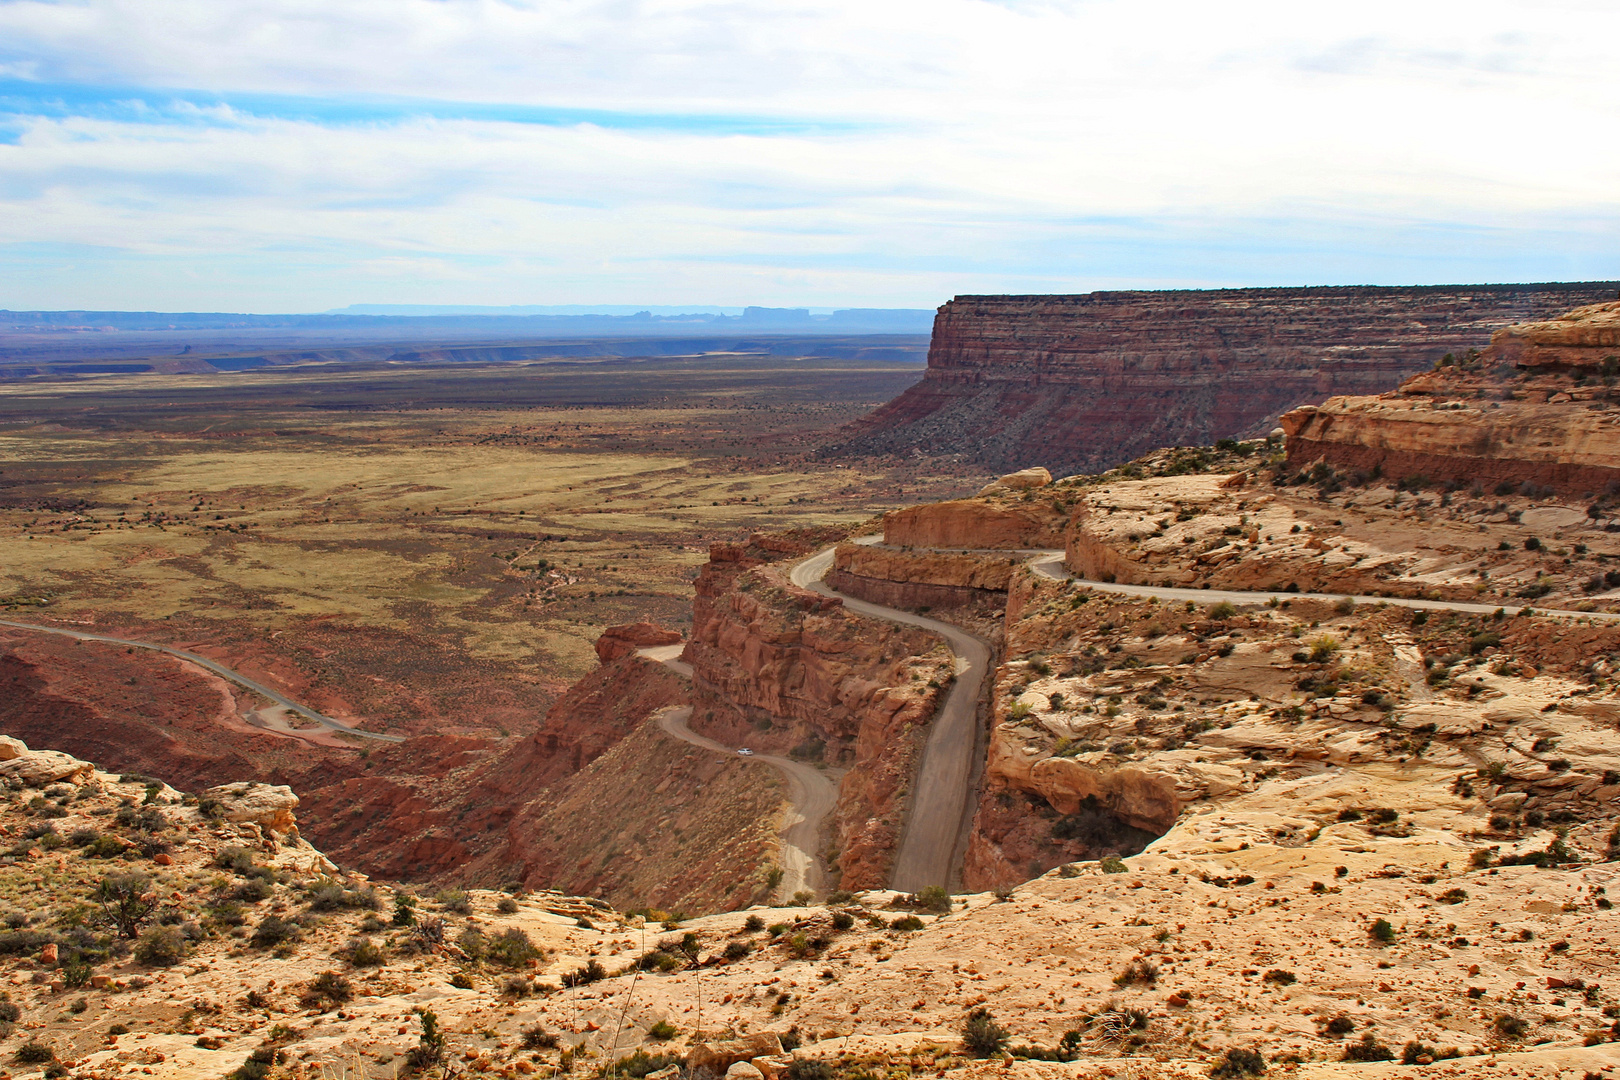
1082	383
1530	412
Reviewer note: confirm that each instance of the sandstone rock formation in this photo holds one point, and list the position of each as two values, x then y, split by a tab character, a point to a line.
37	768
779	668
270	806
1536	408
992	522
621	641
1081	383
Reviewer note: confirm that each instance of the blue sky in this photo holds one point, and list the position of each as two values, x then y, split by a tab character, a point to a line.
301	155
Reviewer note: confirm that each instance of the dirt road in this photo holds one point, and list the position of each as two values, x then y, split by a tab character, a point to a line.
223	672
935	835
812	796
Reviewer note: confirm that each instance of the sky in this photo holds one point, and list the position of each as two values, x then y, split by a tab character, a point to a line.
302	155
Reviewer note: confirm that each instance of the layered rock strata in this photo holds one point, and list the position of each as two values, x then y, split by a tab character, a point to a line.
1080	383
789	671
1537	408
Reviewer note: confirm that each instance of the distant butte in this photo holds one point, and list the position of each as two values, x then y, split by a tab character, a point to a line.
1081	383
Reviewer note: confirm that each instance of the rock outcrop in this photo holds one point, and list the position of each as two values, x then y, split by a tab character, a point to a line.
792	672
620	641
1537	408
1081	383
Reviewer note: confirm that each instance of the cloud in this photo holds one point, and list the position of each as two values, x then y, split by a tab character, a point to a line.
491	151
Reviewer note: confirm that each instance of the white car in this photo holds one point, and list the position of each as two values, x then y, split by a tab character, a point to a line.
744	752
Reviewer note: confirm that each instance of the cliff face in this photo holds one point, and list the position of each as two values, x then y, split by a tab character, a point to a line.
1537	408
1081	383
791	672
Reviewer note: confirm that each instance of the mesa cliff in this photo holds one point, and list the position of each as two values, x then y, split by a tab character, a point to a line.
1082	383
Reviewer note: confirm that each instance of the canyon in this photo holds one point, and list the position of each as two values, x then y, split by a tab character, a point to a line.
1083	383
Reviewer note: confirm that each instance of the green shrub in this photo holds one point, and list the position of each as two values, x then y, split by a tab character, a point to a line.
273	930
1113	864
907	922
506	906
640	1064
363	952
455	900
753	924
842	920
981	1034
662	1031
736	950
511	948
536	1037
1382	931
1509	1026
1280	977
935	898
160	946
1223	610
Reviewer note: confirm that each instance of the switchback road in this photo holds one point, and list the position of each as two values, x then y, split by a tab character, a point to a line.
218	669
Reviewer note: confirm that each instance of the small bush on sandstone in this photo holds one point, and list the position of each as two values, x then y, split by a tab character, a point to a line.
328	989
126	902
536	1037
842	920
506	906
908	922
934	898
591	972
1416	1053
1509	1026
34	1052
511	948
1368	1049
736	950
160	946
363	952
809	1069
1337	1025
273	930
1137	971
455	900
753	924
1382	931
1280	977
1237	1063
1113	865
981	1034
663	1030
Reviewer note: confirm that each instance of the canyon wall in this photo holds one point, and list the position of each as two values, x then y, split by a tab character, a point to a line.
1537	410
789	671
1082	383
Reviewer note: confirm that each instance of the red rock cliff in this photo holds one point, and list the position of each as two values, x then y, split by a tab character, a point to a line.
791	671
1081	383
1539	408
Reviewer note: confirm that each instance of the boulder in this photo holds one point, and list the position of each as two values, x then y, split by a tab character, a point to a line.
36	768
621	641
11	748
1022	480
267	805
742	1070
719	1057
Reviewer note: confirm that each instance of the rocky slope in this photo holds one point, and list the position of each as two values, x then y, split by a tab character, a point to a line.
1081	383
1536	410
1321	920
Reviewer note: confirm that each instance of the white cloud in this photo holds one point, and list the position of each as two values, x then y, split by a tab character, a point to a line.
965	145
